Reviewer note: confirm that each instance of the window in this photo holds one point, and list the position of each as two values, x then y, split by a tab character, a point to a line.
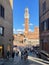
42	26
1	11
1	30
45	25
44	6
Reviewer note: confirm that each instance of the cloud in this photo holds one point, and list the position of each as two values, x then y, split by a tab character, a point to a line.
23	24
14	31
20	30
30	30
31	24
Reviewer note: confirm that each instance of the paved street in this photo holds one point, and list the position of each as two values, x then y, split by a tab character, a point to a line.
32	60
13	61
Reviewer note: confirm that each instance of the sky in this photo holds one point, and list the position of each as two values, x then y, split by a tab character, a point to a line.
18	14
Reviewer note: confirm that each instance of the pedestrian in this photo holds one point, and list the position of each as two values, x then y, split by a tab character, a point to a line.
13	54
26	54
17	53
8	53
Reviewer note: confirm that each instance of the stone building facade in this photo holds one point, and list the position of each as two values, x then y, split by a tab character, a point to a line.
6	27
44	24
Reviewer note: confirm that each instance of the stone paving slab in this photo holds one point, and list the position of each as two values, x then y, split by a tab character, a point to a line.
12	61
1	61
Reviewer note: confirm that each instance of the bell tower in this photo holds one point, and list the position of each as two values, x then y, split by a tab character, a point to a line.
26	16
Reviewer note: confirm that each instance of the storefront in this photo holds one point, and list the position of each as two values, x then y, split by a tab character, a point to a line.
1	51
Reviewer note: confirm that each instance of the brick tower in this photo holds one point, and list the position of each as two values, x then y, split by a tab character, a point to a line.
26	16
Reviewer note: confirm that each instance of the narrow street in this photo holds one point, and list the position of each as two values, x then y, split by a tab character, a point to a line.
32	60
24	32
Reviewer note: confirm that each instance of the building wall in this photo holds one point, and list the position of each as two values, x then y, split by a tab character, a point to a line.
34	34
32	38
7	23
33	42
44	32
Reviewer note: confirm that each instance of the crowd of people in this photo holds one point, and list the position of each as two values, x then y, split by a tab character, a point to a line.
24	54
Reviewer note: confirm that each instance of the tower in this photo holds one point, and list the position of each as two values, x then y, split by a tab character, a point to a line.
26	16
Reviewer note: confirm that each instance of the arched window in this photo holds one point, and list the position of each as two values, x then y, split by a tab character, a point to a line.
1	11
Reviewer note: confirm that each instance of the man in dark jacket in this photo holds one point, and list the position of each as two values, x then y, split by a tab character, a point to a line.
13	54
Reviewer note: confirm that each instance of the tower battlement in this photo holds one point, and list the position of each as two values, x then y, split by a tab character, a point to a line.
26	15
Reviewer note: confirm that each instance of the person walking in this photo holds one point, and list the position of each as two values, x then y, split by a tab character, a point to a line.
13	54
8	53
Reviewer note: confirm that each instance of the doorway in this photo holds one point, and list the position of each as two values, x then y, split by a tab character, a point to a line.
1	51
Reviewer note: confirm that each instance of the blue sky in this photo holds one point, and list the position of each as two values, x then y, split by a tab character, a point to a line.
18	14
